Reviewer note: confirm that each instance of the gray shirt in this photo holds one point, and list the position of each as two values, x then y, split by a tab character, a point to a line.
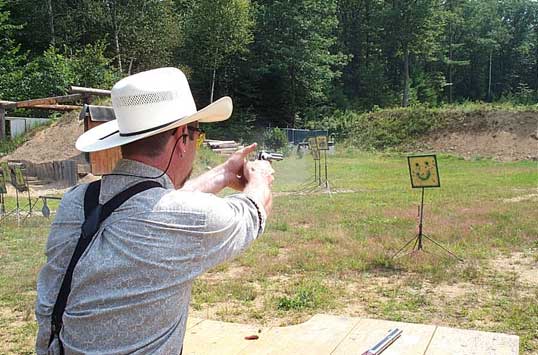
131	288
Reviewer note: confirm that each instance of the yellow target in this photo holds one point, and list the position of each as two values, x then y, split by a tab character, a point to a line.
6	170
18	181
423	171
312	143
3	188
315	154
322	143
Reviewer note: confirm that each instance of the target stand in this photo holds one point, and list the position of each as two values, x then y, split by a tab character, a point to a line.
15	173
316	145
424	173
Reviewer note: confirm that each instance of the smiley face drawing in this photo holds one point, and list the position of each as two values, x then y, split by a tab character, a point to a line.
423	171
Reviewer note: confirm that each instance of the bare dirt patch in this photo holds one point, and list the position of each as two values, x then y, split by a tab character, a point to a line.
11	324
524	266
314	191
531	195
56	142
501	135
231	273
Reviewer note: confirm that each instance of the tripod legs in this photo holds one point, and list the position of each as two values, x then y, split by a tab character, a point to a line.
442	247
418	239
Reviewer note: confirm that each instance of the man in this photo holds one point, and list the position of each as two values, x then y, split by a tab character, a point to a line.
131	288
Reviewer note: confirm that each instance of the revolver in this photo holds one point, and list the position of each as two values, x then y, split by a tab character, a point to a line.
263	155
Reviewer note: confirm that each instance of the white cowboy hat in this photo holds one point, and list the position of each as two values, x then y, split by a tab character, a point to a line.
148	103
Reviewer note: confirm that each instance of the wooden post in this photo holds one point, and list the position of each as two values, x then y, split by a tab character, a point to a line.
48	101
91	91
54	107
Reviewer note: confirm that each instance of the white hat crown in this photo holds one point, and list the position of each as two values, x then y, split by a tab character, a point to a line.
149	103
151	99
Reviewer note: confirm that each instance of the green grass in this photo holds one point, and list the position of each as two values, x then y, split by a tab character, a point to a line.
331	253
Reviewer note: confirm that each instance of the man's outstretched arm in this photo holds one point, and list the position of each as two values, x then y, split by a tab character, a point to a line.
228	174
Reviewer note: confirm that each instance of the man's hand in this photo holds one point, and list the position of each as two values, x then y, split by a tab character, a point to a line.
234	168
234	173
259	170
259	178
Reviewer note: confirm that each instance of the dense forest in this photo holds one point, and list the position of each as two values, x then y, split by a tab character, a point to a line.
287	63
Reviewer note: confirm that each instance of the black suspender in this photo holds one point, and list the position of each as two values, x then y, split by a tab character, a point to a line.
94	215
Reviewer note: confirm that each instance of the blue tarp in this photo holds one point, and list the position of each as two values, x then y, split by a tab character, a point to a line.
297	136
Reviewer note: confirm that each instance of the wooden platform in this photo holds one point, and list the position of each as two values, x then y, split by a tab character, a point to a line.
324	334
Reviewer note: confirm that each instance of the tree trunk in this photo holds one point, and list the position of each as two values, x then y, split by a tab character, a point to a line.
2	123
489	75
405	96
130	66
451	84
214	75
292	97
51	23
213	85
116	33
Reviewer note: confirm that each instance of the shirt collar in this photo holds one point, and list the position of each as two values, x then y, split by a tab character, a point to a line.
126	174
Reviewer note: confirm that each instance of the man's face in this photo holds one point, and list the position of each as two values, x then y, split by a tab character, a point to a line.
185	152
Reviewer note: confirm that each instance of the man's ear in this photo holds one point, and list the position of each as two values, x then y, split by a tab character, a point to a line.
178	132
179	137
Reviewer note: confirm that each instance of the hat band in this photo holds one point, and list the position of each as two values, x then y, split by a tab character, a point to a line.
144	130
130	134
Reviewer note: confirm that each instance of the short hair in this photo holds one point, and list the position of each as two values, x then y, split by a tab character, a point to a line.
151	146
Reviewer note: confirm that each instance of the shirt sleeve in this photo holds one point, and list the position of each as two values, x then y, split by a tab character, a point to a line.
232	224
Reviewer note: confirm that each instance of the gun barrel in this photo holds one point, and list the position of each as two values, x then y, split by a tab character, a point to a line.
270	156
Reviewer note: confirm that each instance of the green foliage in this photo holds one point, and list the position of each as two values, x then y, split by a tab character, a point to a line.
239	127
306	295
296	60
52	73
285	63
523	95
9	145
393	127
93	68
337	124
49	75
275	139
11	60
215	31
428	87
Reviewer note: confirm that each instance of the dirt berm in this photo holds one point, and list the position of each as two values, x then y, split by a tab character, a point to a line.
56	142
501	135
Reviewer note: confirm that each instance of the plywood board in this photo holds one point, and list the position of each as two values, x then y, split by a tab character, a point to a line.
104	161
319	335
414	339
218	338
469	342
423	171
325	334
322	142
192	322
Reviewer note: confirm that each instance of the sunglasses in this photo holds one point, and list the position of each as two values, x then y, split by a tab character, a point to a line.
192	132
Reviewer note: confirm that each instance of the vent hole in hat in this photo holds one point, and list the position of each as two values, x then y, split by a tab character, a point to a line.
143	99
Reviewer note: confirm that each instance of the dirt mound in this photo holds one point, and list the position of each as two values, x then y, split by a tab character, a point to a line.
501	135
56	142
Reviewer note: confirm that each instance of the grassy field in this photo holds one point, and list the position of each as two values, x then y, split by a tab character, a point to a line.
331	252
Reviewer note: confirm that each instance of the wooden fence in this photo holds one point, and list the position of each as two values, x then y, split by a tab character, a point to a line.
63	171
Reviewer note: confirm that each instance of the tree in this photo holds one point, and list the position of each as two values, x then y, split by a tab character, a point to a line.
454	32
11	60
296	58
415	26
361	37
216	31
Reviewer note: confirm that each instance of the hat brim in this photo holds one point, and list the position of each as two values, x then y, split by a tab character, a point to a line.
107	135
